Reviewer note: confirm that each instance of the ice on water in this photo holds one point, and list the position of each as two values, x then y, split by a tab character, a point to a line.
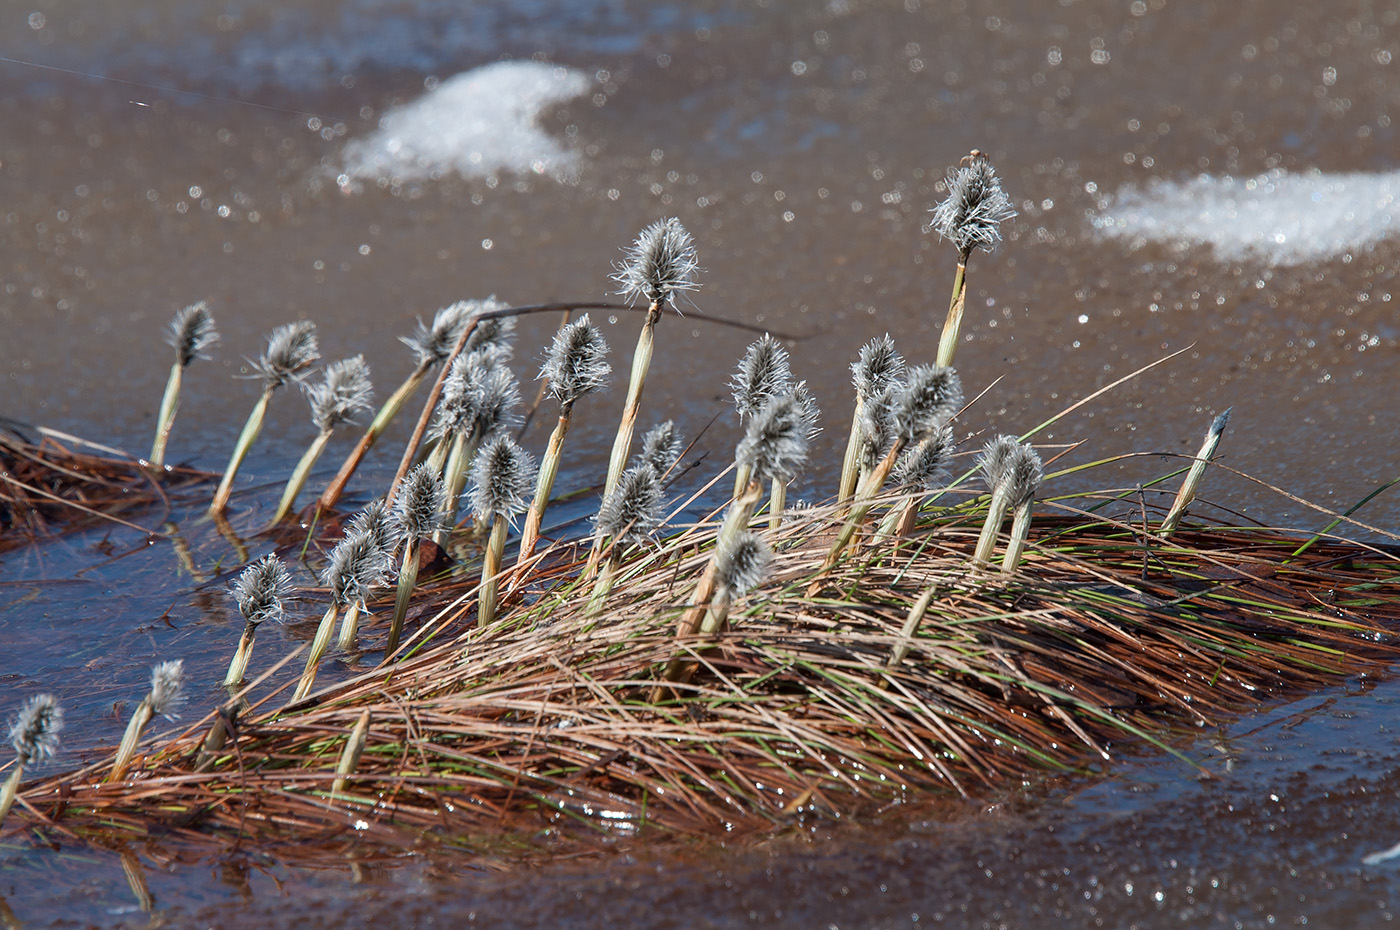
477	123
1279	217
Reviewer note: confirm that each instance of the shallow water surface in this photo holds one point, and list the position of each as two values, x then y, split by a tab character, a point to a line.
317	164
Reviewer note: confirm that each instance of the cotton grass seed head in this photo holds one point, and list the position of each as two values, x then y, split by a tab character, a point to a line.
421	502
344	392
776	442
260	589
432	345
972	215
167	685
879	368
479	397
503	479
996	461
192	333
661	447
925	466
290	348
660	264
763	372
577	362
1025	475
496	332
929	397
357	566
34	733
632	512
377	522
742	563
877	426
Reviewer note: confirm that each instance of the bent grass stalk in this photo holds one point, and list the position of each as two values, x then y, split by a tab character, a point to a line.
1192	483
191	332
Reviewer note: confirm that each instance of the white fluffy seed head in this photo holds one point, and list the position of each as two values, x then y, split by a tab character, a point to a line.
344	392
357	565
632	512
996	461
877	426
421	502
503	479
661	447
290	348
192	333
776	441
1025	475
34	732
660	264
878	369
763	372
432	345
260	589
929	397
925	466
479	397
976	206
492	332
379	524
167	685
742	563
577	362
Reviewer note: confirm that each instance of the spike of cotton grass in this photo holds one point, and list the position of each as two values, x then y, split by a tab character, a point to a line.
344	391
877	372
576	365
167	683
378	527
1001	461
356	565
259	592
290	349
419	511
502	477
34	735
191	334
660	264
741	564
970	218
776	443
763	372
1025	478
919	469
628	516
1187	493
661	447
432	344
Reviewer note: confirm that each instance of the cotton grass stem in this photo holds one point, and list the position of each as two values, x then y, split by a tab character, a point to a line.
251	429
1187	494
258	591
319	644
350	755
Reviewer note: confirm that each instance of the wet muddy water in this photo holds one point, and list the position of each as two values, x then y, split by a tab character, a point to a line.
1209	178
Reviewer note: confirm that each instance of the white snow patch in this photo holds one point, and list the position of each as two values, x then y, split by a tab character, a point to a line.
1283	218
478	123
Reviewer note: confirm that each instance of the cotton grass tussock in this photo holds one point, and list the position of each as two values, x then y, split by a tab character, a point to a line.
576	366
344	392
291	349
191	334
259	592
167	686
502	476
419	511
970	218
34	736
